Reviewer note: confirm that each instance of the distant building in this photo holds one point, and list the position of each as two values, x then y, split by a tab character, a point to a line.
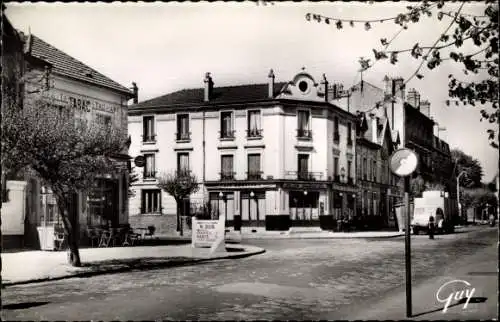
271	156
378	187
88	95
409	120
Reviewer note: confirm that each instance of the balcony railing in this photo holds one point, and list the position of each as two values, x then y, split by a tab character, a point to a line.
149	138
304	134
227	175
183	136
303	175
226	134
254	133
149	174
254	175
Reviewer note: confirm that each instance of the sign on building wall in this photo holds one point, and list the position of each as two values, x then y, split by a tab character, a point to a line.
84	104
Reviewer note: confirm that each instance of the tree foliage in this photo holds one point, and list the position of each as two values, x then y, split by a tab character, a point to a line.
178	184
44	139
471	166
477	83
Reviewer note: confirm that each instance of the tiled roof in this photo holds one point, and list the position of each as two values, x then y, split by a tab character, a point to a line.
64	64
227	94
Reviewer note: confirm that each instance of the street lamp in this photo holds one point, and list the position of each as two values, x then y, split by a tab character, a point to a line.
304	205
458	192
221	196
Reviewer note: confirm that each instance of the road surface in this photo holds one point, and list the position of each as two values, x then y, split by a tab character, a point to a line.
295	279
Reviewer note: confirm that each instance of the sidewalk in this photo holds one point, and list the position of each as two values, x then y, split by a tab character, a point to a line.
480	270
37	266
236	236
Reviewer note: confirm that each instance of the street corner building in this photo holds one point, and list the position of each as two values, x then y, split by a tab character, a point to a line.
275	156
30	217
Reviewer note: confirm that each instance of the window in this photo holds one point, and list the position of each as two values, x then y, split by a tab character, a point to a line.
374	171
254	127
336	134
183	127
349	133
349	169
303	130
303	162
254	167
183	163
151	201
365	170
226	125
149	167
227	167
148	125
104	120
336	169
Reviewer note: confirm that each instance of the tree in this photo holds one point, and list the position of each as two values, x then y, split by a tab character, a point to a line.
417	186
479	83
178	184
66	156
472	167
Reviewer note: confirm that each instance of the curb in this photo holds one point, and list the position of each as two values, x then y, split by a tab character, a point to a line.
320	237
148	266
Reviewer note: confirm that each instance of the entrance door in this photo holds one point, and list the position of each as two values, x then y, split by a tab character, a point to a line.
253	209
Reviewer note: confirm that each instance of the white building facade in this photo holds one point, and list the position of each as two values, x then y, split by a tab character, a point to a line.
270	156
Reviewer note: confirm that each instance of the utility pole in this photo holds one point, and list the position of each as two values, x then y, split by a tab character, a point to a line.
403	163
458	192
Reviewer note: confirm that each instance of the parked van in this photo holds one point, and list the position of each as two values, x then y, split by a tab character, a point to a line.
434	203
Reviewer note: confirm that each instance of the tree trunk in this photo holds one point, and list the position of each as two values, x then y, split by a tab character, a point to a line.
179	224
69	224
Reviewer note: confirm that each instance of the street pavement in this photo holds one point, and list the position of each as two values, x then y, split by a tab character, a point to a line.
298	279
30	266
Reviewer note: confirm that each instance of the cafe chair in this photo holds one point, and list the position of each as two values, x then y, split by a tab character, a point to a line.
93	236
150	232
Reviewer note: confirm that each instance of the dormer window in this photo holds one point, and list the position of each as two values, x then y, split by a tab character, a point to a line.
303	86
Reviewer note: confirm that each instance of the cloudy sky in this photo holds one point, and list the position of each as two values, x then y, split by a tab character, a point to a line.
165	47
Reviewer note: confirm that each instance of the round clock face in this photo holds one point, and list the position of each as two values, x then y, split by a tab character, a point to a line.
404	162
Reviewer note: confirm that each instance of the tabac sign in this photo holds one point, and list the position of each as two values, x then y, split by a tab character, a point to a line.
84	104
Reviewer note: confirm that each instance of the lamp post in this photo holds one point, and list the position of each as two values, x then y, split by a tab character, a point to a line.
221	196
458	192
252	195
304	205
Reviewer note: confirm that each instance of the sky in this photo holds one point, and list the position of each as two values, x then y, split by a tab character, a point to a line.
165	47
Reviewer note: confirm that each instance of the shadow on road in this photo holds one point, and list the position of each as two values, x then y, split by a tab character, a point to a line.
462	301
22	306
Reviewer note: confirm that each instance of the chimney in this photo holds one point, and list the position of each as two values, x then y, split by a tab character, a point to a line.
271	84
135	90
325	86
425	108
209	87
398	88
388	85
374	127
413	98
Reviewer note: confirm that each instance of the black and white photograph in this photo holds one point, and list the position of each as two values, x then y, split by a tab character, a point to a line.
253	160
